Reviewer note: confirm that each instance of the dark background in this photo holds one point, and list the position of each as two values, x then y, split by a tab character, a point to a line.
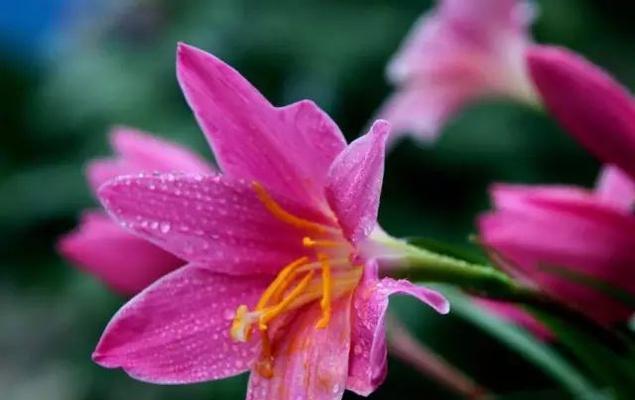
70	69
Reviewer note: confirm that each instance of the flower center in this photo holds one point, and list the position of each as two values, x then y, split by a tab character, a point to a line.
324	274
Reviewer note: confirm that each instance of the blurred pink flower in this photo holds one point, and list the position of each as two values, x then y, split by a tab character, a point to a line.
281	250
462	50
123	261
592	106
537	228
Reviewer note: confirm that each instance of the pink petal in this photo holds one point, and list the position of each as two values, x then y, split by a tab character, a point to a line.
521	197
309	363
354	182
424	109
211	219
287	149
126	263
460	51
591	105
616	188
176	331
367	368
516	315
137	151
587	237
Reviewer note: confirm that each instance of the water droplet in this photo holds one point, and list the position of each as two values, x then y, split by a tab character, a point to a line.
357	349
229	314
165	227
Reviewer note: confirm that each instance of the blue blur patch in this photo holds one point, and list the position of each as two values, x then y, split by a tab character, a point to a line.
27	26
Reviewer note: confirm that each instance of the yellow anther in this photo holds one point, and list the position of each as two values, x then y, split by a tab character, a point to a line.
280	281
327	287
240	330
308	242
279	308
283	215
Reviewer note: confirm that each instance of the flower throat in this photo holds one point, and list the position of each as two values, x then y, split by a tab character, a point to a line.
324	274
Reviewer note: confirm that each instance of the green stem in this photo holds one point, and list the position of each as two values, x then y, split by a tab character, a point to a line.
425	265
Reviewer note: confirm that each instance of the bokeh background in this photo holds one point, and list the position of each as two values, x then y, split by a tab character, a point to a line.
69	69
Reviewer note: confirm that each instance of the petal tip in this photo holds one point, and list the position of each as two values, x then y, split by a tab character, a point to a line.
65	245
381	127
444	307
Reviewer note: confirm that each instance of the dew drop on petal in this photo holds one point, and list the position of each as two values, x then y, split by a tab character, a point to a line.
229	314
165	227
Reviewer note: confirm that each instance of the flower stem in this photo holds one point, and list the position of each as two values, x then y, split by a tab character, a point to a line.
425	265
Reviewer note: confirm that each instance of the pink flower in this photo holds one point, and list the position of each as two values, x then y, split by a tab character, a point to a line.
281	250
590	233
462	50
591	105
125	262
535	229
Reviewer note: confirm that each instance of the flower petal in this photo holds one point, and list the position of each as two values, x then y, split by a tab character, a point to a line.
125	262
586	237
423	109
520	197
211	219
616	188
287	149
309	363
137	151
460	51
367	368
591	105
354	182
176	330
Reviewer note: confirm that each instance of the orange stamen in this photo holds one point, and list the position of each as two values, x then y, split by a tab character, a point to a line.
283	215
284	304
327	284
281	280
308	242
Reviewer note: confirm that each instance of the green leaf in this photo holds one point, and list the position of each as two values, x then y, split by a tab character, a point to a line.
530	348
613	367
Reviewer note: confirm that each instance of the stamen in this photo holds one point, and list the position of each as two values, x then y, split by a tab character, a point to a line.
280	280
279	212
308	242
327	283
280	307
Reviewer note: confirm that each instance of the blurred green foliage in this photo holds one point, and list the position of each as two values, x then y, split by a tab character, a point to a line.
118	68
